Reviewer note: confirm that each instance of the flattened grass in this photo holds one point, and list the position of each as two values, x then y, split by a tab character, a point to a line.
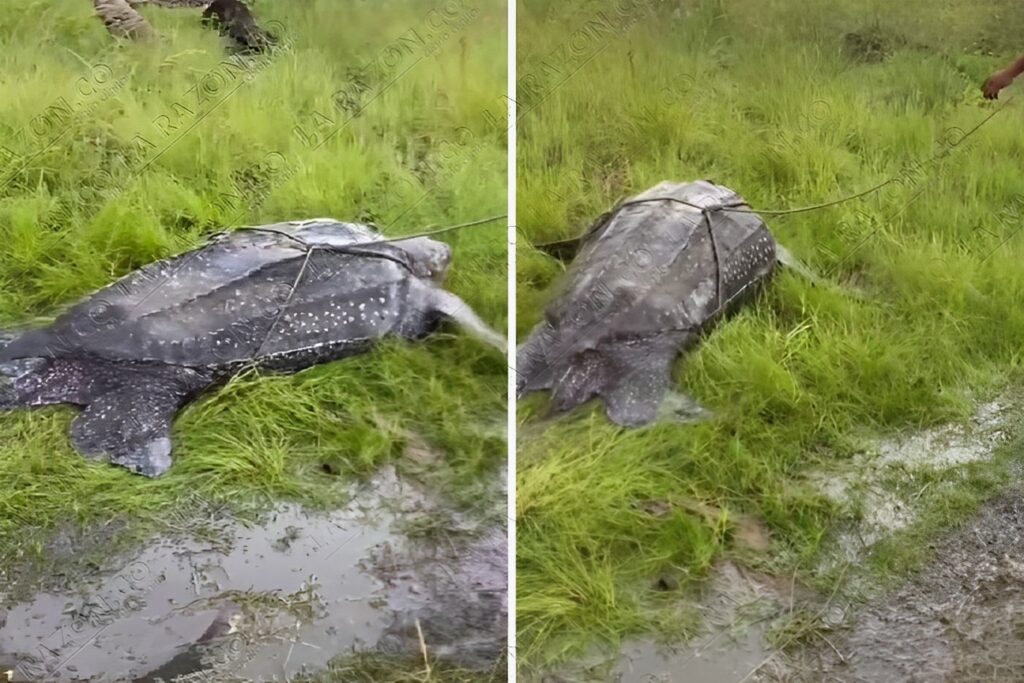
776	101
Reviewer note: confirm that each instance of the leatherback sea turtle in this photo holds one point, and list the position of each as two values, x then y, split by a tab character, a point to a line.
651	275
283	296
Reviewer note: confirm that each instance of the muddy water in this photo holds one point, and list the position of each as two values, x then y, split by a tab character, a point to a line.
713	659
960	620
463	615
273	600
737	605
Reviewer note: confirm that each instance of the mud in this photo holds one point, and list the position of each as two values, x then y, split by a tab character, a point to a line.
960	620
463	617
711	660
276	599
878	489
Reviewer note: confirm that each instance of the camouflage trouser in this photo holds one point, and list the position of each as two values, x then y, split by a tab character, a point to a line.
123	21
172	3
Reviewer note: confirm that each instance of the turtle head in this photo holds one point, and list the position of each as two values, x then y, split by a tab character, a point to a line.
429	258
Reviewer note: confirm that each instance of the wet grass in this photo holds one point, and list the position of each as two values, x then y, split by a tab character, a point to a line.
116	154
790	104
942	500
369	668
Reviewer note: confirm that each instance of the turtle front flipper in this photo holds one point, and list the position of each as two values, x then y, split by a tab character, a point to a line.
533	369
638	389
681	408
131	427
18	381
786	259
451	306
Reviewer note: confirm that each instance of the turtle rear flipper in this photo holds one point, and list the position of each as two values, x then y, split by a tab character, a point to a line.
130	427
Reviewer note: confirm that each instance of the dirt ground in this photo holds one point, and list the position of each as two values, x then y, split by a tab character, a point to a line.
960	620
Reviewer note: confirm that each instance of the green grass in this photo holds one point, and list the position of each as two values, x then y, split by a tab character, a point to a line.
772	100
112	161
365	668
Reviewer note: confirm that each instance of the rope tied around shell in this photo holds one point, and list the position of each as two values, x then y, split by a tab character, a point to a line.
741	206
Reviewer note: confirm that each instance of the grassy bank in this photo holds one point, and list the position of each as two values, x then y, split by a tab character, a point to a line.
789	104
116	154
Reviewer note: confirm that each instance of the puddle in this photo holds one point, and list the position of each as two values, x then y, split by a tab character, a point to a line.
715	659
271	601
463	615
737	606
960	619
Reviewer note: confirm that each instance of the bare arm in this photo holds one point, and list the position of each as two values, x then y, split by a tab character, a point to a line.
1002	79
1017	68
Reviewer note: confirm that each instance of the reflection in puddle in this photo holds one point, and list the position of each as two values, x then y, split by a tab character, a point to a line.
260	602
